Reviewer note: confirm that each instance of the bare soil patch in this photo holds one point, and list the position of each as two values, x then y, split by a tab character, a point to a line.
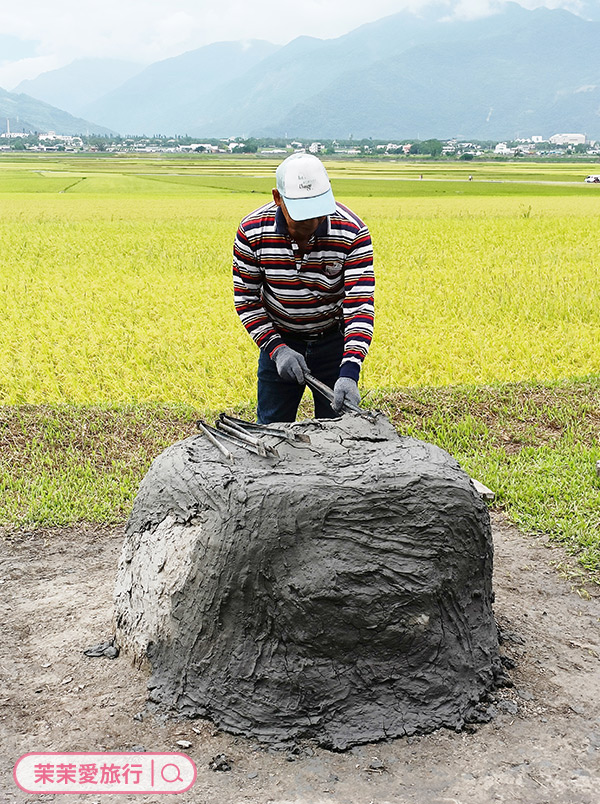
543	745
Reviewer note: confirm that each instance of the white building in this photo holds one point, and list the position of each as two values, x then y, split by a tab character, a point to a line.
568	139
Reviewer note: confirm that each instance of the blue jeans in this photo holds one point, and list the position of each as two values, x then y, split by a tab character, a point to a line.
278	399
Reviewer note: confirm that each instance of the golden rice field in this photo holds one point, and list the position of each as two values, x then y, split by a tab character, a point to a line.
115	277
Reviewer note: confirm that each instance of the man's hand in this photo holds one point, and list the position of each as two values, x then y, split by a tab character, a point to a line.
345	390
291	365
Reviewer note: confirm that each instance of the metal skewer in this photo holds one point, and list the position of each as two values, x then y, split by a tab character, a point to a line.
219	434
265	429
238	432
327	392
235	437
206	430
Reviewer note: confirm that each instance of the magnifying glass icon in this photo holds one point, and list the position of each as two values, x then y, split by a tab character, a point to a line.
177	778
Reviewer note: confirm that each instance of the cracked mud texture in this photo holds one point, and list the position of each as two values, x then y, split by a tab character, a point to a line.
340	592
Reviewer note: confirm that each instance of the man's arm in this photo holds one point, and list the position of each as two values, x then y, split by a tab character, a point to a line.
359	288
247	283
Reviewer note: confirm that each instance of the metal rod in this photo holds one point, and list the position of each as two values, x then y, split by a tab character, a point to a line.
218	434
205	430
319	386
238	432
327	392
236	438
265	429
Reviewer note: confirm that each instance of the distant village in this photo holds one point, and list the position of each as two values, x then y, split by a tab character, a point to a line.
556	145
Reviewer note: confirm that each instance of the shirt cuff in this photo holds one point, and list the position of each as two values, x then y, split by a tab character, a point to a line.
272	344
350	369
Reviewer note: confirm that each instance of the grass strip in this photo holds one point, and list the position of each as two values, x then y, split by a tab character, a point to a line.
535	445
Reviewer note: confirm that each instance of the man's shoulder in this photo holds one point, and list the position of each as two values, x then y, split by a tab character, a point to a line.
344	218
263	216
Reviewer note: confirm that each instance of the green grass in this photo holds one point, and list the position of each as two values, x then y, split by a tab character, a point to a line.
535	445
65	464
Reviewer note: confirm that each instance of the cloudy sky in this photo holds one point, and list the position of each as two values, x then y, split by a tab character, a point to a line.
144	31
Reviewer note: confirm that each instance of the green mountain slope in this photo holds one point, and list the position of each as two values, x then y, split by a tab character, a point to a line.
540	78
28	114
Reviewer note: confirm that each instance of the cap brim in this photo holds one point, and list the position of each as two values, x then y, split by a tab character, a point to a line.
301	209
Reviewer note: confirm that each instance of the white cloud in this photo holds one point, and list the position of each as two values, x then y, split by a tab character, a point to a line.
473	9
12	73
570	5
150	30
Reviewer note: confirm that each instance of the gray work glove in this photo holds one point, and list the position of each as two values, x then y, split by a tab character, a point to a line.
345	390
291	365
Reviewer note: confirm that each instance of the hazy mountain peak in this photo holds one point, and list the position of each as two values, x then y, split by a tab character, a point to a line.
166	96
79	83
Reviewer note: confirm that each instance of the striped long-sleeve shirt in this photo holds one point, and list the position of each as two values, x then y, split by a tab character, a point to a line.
279	292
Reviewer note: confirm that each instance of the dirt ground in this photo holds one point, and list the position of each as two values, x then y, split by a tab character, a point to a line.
543	746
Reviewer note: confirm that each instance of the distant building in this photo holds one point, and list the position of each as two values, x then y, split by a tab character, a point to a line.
502	149
315	147
568	139
68	141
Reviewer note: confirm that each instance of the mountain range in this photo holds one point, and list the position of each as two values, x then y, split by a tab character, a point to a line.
80	83
22	113
516	73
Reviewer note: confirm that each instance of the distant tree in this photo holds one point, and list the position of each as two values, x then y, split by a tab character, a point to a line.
432	147
99	143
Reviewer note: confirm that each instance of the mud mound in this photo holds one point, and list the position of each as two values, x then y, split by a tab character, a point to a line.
340	590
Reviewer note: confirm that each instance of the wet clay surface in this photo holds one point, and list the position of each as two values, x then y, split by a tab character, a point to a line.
339	592
543	746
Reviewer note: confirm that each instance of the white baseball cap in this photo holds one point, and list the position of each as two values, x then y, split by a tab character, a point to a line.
304	185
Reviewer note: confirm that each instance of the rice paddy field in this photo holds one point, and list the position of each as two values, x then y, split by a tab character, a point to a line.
118	324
